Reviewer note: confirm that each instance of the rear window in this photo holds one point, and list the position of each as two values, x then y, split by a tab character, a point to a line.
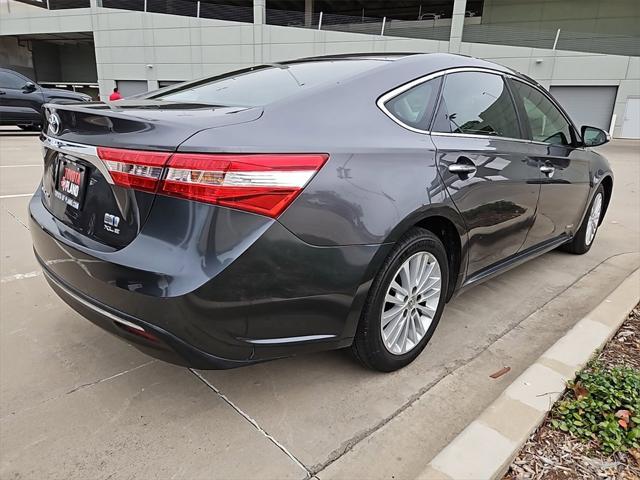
266	84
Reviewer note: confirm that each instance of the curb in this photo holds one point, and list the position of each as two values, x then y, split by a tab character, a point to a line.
488	445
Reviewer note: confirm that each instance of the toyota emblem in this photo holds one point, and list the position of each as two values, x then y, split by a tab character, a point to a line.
54	123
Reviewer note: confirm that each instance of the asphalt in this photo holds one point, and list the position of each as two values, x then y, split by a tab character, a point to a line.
76	402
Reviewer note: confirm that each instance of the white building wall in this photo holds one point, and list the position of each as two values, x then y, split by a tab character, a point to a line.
159	47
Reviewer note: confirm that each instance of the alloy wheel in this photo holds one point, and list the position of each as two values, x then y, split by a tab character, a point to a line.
411	303
594	219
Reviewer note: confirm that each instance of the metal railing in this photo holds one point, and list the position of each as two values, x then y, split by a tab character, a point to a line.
553	39
428	28
57	4
185	8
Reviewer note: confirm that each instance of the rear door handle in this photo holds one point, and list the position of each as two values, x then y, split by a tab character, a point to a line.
2	92
548	170
461	168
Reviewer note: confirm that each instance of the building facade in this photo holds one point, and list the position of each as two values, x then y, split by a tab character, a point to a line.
586	52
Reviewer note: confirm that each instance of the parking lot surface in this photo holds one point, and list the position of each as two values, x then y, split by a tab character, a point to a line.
76	402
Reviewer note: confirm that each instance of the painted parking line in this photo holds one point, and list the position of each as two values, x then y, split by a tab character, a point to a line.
31	165
20	276
16	195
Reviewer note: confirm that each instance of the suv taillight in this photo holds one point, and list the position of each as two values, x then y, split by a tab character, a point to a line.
259	183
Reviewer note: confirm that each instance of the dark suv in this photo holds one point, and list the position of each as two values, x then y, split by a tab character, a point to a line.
21	100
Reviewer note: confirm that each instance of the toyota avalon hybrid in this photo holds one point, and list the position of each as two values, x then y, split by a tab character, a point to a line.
308	205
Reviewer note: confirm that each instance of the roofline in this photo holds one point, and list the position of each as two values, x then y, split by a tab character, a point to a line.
356	55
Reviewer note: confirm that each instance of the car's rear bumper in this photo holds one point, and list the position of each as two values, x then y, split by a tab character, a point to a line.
157	342
244	290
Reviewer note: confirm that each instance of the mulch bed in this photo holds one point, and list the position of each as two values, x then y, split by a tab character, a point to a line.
551	454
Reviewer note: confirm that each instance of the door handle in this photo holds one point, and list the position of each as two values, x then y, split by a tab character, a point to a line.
548	170
2	92
462	168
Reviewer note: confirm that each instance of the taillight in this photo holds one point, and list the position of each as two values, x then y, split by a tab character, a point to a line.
134	168
260	183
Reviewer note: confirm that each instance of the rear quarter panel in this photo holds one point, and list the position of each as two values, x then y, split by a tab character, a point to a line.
380	177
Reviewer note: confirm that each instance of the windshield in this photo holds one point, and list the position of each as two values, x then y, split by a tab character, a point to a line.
263	85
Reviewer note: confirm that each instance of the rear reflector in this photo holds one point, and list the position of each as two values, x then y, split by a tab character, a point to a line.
259	183
134	168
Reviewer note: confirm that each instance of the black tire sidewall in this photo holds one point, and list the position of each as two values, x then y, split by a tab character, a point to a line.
417	240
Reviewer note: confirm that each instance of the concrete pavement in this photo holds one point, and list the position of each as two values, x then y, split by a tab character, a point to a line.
78	403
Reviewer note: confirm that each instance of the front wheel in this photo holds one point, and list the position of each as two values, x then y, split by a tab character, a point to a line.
405	303
584	237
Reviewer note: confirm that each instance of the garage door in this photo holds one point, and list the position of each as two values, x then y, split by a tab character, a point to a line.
631	121
591	106
131	87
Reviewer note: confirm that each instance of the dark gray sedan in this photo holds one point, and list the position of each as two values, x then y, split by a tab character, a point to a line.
309	205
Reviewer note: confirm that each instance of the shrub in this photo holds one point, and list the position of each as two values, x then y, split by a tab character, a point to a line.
602	405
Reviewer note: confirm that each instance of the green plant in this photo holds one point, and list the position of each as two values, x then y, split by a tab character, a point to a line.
602	405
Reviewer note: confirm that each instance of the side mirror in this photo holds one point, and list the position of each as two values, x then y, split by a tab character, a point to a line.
29	87
593	136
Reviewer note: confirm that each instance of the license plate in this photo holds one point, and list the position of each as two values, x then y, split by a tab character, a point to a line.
70	184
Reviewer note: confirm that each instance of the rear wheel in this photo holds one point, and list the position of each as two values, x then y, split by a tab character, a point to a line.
405	303
584	237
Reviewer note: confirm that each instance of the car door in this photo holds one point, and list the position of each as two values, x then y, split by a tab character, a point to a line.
17	104
564	165
485	164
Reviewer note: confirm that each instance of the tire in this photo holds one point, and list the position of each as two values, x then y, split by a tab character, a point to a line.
583	239
377	350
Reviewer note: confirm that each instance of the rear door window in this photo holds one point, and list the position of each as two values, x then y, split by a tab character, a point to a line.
476	103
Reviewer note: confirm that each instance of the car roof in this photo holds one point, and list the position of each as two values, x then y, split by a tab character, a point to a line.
450	59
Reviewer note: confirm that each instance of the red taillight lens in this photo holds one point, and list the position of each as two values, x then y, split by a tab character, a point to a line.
260	183
134	168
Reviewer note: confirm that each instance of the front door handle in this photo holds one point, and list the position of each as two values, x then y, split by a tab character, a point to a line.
462	169
2	92
548	170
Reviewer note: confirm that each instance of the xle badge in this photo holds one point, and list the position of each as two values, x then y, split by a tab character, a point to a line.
111	223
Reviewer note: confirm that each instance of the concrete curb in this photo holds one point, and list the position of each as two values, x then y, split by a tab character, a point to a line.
487	446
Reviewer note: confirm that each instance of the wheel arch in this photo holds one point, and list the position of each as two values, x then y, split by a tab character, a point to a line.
446	223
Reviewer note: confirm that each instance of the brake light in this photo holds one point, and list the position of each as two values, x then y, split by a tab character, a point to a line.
259	183
134	168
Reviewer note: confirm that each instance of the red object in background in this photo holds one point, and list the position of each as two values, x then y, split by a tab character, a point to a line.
115	96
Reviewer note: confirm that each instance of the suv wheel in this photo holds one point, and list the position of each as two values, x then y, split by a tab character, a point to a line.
404	304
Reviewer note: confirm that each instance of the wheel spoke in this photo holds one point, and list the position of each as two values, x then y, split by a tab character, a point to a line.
391	314
431	283
427	309
399	289
392	324
393	299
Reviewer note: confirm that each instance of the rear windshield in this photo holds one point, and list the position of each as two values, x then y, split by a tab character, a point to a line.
266	84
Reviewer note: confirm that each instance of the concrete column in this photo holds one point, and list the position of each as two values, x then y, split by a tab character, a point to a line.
308	13
259	12
457	25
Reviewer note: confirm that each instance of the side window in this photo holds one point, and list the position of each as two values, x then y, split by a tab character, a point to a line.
476	103
547	123
415	106
9	80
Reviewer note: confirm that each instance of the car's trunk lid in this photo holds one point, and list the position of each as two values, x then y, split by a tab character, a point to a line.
78	186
